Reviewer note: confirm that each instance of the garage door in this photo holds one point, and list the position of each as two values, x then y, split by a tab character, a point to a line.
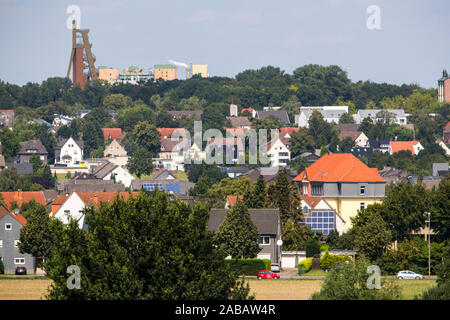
288	262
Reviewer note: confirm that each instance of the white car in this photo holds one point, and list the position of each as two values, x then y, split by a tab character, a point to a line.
409	275
275	267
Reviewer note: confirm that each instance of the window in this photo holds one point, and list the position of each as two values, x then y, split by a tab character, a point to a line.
1	243
362	190
321	221
316	189
8	226
362	205
19	260
16	243
264	240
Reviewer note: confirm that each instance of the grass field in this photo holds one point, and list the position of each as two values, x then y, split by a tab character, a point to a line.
36	289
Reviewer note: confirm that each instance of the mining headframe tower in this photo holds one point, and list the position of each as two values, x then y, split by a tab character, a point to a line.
80	55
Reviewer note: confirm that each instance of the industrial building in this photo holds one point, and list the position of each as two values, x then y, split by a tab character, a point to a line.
444	88
166	72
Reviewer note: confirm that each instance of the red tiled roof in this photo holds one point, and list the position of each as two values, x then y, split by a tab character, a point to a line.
247	109
397	146
236	131
91	197
233	199
339	167
311	201
447	127
115	133
288	130
167	132
6	111
20	197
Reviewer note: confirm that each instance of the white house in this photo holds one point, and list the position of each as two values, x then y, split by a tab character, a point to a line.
329	113
278	152
111	171
399	115
69	152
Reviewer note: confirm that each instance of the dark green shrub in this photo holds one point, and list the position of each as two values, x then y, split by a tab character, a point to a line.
2	267
312	248
249	267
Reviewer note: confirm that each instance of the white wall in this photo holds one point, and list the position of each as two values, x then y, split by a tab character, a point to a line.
74	205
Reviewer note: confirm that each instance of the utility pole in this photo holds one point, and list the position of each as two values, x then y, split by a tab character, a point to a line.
429	243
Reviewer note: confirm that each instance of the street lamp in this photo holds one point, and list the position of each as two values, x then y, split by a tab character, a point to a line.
429	243
279	244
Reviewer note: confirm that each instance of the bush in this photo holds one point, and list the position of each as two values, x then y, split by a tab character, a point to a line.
305	264
439	292
312	248
249	267
329	260
2	267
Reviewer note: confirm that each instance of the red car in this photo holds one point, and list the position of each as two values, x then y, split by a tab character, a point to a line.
267	274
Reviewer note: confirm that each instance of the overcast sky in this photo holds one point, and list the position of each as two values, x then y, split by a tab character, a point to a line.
412	46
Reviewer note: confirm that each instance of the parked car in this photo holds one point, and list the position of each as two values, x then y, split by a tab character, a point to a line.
408	275
267	274
21	270
275	267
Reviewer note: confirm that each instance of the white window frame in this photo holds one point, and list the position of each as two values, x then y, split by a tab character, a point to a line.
15	260
6	226
262	241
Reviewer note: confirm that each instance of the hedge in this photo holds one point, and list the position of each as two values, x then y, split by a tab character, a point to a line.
305	264
329	260
249	267
2	267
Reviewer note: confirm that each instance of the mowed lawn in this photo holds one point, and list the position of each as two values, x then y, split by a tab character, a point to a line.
23	289
36	289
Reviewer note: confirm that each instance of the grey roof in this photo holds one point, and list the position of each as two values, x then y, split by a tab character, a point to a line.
325	113
364	113
35	144
266	220
104	169
346	127
439	169
22	168
162	175
42	121
280	114
184	184
88	185
237	122
62	142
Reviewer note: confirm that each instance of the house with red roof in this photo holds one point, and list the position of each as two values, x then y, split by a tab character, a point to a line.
112	134
72	206
231	201
412	146
20	197
344	182
11	222
249	110
446	133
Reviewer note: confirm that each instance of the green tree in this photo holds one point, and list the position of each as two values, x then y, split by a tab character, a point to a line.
148	247
346	118
117	101
140	162
441	209
36	162
258	194
36	237
92	137
349	282
146	136
372	237
238	234
301	142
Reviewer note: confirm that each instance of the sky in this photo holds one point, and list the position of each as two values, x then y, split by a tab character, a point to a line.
412	44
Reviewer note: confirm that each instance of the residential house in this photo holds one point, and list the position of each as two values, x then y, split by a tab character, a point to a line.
173	133
10	225
82	113
330	114
231	201
412	146
320	216
249	110
344	182
311	157
444	147
399	115
61	120
358	137
394	175
278	152
268	224
280	114
234	171
178	115
20	197
381	145
30	148
69	152
171	186
86	182
348	127
360	152
73	205
115	149
7	118
163	175
112	134
439	169
446	133
269	174
232	149
110	171
240	122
